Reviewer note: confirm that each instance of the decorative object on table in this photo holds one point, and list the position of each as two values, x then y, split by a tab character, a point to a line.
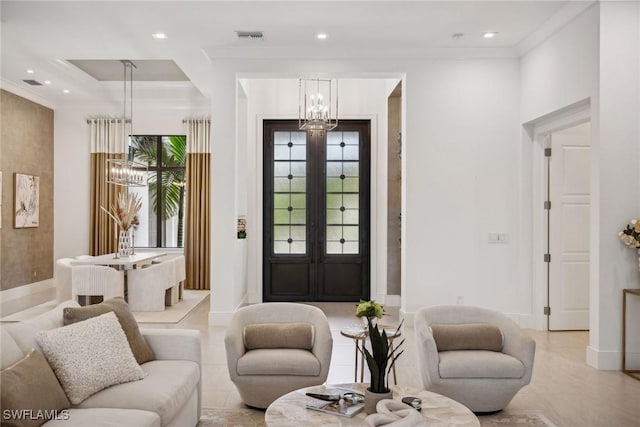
369	310
124	213
630	236
27	201
342	402
392	413
381	358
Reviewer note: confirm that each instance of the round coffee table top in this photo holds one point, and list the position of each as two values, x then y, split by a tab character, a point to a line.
439	411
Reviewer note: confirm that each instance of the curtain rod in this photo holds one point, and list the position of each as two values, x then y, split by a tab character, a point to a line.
190	120
110	120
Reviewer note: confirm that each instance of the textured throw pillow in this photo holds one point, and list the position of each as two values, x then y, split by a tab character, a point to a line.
278	335
89	356
467	336
31	393
141	350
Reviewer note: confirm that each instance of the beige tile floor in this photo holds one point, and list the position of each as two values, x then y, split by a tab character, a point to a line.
563	388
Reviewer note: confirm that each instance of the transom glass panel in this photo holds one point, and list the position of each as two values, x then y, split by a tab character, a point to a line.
343	188
290	193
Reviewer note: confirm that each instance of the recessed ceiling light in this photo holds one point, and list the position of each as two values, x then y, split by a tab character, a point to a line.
30	71
489	34
159	36
47	82
321	36
66	91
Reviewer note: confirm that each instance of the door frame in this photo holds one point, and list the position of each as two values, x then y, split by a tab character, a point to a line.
539	130
377	214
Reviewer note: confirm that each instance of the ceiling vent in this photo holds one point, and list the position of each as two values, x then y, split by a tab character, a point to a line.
33	82
250	35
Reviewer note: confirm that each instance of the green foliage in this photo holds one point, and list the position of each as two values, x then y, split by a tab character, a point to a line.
369	309
381	358
170	201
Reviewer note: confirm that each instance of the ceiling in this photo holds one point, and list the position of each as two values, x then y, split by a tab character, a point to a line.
44	36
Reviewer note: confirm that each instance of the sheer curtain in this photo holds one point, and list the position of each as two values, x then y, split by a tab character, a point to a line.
107	142
197	246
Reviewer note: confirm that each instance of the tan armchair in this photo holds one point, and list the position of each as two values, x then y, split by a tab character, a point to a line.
482	380
262	375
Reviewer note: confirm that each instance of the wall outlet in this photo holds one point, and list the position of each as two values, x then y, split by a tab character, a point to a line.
459	300
35	274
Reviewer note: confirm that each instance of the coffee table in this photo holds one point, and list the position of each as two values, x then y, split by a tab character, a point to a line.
438	411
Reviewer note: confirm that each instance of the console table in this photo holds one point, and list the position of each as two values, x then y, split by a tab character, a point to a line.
633	373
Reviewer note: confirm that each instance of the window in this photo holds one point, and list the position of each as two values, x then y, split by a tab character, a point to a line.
163	199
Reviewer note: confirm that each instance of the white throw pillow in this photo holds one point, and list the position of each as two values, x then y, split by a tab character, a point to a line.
89	356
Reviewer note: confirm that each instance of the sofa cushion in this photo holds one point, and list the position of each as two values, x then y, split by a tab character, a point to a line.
11	352
479	364
89	356
107	417
167	386
467	336
24	333
280	361
141	350
278	335
30	384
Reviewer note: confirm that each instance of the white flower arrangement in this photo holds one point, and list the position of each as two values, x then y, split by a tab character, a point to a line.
630	236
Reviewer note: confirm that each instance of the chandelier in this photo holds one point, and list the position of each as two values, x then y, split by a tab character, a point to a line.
127	172
317	105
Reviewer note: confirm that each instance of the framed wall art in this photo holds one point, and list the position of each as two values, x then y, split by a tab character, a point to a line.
27	205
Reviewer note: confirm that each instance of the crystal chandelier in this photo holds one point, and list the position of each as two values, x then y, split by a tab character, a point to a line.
317	106
126	172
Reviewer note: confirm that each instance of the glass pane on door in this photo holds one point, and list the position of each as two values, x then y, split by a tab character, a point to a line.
343	189
290	192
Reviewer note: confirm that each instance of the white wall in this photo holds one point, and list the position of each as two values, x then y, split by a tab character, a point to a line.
461	152
72	166
597	57
461	149
619	177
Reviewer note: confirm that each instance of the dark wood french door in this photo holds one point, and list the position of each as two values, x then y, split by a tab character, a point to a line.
316	212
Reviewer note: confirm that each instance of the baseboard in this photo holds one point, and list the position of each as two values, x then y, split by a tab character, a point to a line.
26	290
223	318
392	300
604	360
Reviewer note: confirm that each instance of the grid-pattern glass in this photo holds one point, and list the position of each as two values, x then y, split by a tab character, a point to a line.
343	193
290	192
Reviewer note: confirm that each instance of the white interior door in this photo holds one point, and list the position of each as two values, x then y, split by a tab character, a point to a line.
569	191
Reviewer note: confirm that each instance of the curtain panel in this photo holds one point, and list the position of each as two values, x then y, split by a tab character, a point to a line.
197	246
107	142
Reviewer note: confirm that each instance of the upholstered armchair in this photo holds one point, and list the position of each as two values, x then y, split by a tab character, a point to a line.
96	280
275	348
482	360
62	279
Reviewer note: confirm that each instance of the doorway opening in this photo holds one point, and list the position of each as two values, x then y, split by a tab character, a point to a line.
567	205
316	196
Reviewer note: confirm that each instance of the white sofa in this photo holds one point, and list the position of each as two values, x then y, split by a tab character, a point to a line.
170	394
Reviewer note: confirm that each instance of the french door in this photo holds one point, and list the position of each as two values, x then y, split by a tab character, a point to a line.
316	212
